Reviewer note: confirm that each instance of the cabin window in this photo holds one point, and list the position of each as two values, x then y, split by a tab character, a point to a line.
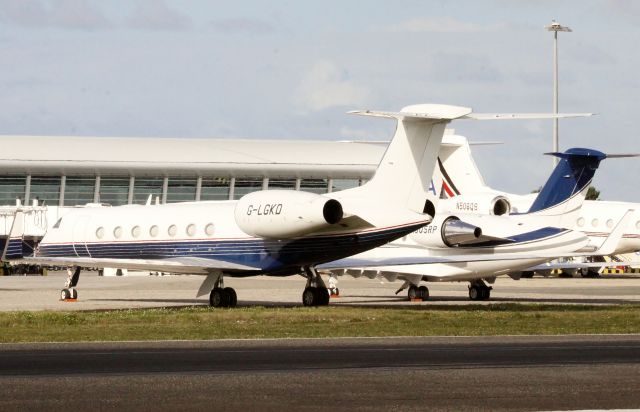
100	232
135	231
209	229
117	232
172	230
581	222
595	222
191	229
610	223
153	231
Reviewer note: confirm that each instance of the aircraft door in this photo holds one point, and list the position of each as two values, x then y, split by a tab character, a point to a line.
80	237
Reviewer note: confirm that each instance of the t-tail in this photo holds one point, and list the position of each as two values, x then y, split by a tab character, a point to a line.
402	180
565	190
13	247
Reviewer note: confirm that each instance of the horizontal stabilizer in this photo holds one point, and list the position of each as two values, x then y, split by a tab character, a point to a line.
524	116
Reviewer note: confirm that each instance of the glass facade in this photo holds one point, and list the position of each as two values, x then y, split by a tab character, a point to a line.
145	186
215	188
314	185
343	184
79	190
280	183
181	189
246	185
45	189
12	188
114	190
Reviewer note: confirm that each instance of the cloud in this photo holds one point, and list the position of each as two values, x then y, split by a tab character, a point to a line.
70	14
325	86
439	25
156	15
240	26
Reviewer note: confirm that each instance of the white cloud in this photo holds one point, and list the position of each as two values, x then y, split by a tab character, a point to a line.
440	25
325	86
156	15
71	14
242	25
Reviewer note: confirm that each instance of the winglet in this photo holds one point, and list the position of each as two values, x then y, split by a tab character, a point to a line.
608	247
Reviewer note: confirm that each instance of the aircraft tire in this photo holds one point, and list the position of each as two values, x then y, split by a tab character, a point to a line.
486	293
423	293
233	297
474	292
217	298
65	294
412	293
309	297
322	296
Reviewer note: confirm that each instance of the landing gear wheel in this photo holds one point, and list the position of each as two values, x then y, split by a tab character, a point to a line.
412	293
309	296
485	293
322	296
74	293
219	298
233	297
474	292
65	294
423	293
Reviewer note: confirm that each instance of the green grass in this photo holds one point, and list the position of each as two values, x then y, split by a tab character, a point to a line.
260	322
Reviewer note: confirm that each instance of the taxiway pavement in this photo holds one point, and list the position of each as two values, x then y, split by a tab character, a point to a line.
486	373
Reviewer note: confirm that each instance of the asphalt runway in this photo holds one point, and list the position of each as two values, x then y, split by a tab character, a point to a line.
31	293
490	373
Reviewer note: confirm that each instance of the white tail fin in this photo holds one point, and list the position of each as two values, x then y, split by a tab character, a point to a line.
403	178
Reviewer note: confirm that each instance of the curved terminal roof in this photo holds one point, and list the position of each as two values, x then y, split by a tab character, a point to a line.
187	156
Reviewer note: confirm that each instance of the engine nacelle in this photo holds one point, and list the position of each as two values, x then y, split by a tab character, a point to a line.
479	203
282	214
447	231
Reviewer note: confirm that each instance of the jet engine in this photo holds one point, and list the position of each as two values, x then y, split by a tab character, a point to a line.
447	231
282	214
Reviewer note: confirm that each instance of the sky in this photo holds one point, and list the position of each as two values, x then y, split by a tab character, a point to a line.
291	70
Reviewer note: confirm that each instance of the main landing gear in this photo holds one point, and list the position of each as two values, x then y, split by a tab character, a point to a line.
415	292
478	290
69	291
316	292
221	297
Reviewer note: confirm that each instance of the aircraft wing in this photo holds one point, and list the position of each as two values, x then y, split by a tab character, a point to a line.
178	265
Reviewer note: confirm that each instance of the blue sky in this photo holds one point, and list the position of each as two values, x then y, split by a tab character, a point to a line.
290	70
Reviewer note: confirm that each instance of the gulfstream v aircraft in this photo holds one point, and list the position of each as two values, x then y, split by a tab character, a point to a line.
474	247
271	232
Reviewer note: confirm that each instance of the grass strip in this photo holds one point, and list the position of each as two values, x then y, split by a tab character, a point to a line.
300	322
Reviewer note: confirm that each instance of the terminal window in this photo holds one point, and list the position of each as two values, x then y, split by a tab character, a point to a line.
45	189
215	188
181	190
145	186
11	188
78	190
114	190
314	185
246	185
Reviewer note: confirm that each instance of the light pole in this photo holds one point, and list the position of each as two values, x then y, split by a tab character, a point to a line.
555	27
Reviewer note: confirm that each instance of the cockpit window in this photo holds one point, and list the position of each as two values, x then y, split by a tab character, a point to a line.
57	225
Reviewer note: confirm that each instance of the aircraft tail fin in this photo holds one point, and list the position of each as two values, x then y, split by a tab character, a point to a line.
566	188
13	247
403	177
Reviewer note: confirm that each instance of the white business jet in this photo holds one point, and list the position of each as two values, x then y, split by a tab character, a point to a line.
272	232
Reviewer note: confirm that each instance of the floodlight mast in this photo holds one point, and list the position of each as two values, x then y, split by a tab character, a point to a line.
555	27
